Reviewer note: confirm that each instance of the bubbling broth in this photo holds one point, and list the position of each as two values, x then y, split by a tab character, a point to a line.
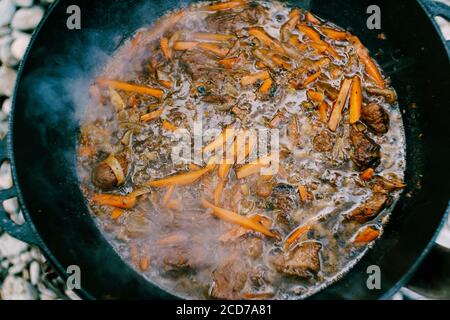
238	217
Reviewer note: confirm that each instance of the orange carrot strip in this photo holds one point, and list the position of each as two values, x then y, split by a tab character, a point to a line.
316	96
312	78
370	65
224	5
295	235
222	140
368	234
258	295
323	111
184	45
334	34
339	105
166	83
212	36
262	36
367	174
120	85
293	41
173	239
218	192
281	62
252	78
235	218
168	195
116	213
311	18
179	179
254	167
294	17
118	201
164	43
169	126
305	196
265	87
86	151
355	100
194	167
214	48
152	115
228	63
144	264
310	33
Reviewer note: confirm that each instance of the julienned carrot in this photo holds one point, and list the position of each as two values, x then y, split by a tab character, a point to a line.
339	105
370	65
169	126
316	96
166	83
305	195
258	295
295	235
279	61
355	100
152	115
254	167
310	33
334	34
175	205
244	146
222	140
323	111
118	201
228	63
238	231
311	18
212	36
218	192
173	239
267	40
117	213
312	78
184	45
179	179
252	78
293	41
367	174
265	87
235	218
367	235
164	43
120	85
224	5
168	195
214	48
294	17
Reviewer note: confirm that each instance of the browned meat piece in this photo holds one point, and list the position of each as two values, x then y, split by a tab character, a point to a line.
186	256
231	21
284	199
229	279
199	65
241	111
387	185
389	95
302	261
376	118
370	208
263	188
103	177
366	152
253	246
216	99
324	141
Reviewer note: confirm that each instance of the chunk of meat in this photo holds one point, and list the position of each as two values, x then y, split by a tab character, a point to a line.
232	21
324	141
388	94
370	208
376	118
104	178
302	261
284	199
366	152
186	256
229	279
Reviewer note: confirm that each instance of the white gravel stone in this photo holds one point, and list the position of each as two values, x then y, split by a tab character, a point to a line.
8	78
7	105
27	18
19	46
10	247
15	288
35	270
7	9
23	3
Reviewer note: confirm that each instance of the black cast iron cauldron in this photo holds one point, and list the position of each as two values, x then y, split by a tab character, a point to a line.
43	137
